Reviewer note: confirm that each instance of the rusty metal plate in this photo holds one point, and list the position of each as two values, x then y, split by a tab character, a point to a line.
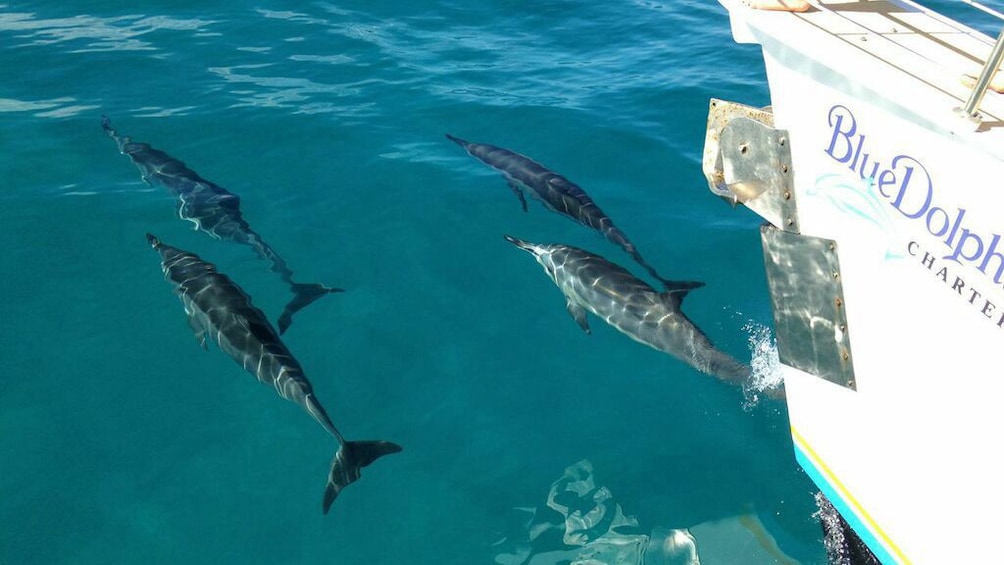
720	113
756	164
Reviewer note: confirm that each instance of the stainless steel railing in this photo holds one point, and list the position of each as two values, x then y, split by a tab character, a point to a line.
971	108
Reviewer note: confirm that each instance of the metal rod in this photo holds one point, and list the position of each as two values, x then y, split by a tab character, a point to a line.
987	75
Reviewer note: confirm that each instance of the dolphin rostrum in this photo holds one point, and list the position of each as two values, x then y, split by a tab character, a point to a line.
557	193
590	282
218	307
215	211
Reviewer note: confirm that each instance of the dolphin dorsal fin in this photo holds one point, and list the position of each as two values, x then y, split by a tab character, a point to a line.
682	286
676	291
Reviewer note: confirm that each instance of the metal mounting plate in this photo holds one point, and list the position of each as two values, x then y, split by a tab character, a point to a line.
756	163
720	113
803	273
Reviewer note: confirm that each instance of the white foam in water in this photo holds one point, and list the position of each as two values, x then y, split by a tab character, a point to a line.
766	375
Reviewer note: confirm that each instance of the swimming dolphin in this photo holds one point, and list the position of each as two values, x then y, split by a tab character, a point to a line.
557	193
590	282
218	307
215	211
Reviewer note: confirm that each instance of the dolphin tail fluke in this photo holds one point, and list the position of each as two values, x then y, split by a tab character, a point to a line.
669	286
675	291
349	460
458	141
304	294
617	237
680	288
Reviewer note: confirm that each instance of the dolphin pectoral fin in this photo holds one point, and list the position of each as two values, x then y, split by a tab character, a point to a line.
349	460
518	192
579	314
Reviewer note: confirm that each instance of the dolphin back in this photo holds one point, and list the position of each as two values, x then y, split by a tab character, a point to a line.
346	467
682	339
721	365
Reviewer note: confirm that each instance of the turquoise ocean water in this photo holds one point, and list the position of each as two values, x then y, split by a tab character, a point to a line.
121	441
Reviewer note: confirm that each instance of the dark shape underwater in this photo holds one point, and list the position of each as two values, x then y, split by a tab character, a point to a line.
215	211
590	282
218	307
557	193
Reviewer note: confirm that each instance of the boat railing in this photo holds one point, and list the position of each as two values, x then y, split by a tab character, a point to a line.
972	106
971	109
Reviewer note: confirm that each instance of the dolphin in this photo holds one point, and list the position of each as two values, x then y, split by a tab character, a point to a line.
218	307
215	211
590	282
557	193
